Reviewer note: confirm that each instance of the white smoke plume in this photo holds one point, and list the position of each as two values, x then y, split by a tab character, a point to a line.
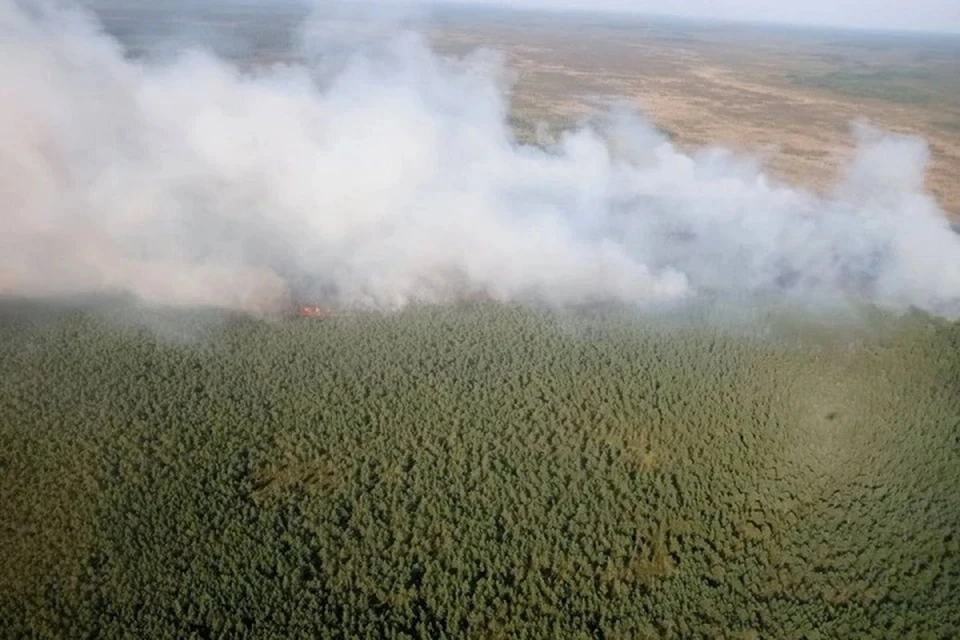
394	177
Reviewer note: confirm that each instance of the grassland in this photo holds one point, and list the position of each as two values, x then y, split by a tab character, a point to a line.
480	471
787	95
784	94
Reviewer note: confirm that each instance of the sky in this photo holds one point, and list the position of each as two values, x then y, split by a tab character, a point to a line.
913	15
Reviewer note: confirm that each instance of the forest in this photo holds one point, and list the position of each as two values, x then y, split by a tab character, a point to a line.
477	470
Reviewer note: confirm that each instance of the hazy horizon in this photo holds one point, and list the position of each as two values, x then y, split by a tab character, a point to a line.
935	17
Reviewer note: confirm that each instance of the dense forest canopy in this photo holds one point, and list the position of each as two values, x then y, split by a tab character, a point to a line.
483	470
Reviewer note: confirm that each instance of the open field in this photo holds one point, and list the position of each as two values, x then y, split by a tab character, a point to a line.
482	471
787	95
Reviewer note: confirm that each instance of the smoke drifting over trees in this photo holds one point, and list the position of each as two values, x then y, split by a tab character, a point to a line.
394	177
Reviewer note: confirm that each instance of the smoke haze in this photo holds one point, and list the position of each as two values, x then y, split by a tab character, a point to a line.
390	175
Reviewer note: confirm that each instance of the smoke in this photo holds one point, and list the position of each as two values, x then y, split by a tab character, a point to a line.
392	176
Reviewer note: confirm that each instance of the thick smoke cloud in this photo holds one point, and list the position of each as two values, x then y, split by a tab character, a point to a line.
393	177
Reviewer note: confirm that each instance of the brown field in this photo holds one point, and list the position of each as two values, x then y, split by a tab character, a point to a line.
786	95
